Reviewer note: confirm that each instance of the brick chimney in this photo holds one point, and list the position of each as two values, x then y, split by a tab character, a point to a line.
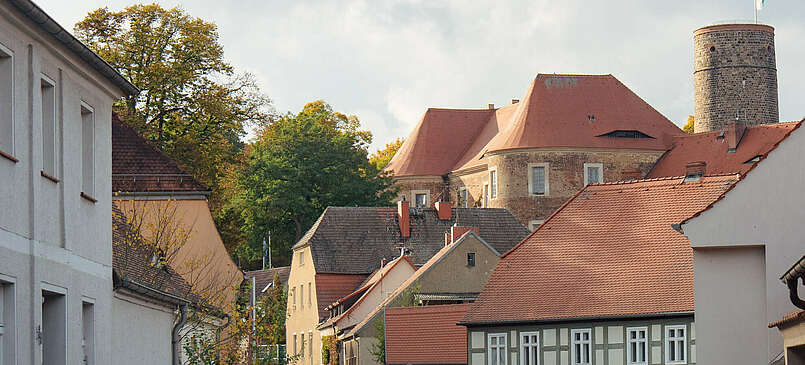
631	173
403	217
695	170
456	232
735	131
490	106
515	101
444	210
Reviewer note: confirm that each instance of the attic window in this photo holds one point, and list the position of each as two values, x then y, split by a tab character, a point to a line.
471	259
626	134
753	160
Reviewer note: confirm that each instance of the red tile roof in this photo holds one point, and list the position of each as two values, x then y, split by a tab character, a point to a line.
709	147
137	166
557	111
790	318
331	287
426	335
609	251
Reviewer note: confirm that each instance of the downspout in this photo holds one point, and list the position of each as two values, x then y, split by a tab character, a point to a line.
175	334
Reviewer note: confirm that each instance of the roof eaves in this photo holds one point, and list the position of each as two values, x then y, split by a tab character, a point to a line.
46	23
578	319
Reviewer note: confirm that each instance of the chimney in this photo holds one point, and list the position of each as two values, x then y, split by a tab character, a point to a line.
456	232
695	170
735	131
515	101
631	173
403	213
444	210
490	106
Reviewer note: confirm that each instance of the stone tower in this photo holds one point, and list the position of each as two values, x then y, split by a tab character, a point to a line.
734	76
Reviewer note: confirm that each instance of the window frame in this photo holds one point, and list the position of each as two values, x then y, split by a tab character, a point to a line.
9	151
533	222
414	193
494	182
302	296
309	294
597	165
301	258
471	256
310	343
546	183
530	346
588	342
668	340
503	348
295	349
485	193
463	197
88	187
629	356
49	171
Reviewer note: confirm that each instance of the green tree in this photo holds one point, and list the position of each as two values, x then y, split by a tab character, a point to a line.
381	157
302	164
193	104
688	128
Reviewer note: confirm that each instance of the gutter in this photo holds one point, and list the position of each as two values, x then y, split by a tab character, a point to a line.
47	24
790	278
175	338
577	319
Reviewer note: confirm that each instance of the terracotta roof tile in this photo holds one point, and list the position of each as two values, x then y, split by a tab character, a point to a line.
557	111
331	287
137	166
264	277
757	141
790	318
609	251
354	240
426	335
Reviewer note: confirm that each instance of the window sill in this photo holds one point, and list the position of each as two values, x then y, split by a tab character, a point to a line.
9	156
88	197
49	177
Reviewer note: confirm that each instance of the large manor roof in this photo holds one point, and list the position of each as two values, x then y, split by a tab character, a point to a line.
594	111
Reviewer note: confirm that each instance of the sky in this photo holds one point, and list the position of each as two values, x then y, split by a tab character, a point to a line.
387	61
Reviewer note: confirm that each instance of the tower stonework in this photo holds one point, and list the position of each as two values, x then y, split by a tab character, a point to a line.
734	76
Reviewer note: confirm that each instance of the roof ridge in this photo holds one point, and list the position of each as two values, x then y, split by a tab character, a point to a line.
662	178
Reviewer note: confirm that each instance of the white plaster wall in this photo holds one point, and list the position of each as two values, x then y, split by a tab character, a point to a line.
49	235
141	334
388	284
765	210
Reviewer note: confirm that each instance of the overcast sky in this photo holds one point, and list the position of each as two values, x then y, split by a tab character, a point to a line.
387	61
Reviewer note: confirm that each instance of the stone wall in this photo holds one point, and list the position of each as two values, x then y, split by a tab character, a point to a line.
434	185
735	76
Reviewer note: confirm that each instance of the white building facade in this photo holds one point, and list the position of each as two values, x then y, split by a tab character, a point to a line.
741	246
55	181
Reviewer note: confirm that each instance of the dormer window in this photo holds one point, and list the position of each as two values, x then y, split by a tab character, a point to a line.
753	159
626	134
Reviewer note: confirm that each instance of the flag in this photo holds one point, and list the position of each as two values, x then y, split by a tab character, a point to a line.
759	4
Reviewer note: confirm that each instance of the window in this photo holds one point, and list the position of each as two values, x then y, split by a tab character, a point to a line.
421	198
580	347
593	173
538	179
6	100
301	296
87	149
463	197
310	343
301	258
486	195
637	345
54	325
493	184
471	259
350	353
48	91
302	344
675	346
533	225
294	344
88	332
529	348
293	294
497	349
7	320
309	294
